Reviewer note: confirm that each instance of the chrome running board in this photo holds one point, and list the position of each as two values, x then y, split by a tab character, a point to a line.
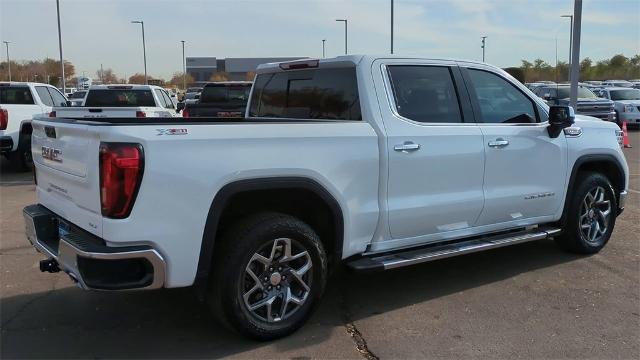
440	251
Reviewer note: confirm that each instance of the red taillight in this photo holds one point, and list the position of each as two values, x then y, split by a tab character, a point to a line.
141	114
4	119
185	113
52	114
121	167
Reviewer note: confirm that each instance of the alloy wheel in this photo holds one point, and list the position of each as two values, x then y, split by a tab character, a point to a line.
595	215
277	280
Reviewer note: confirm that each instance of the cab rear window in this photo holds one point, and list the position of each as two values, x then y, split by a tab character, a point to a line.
330	94
15	95
120	98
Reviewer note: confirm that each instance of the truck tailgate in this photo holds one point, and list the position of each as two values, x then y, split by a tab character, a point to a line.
66	157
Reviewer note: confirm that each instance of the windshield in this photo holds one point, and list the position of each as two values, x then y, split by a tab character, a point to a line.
191	95
563	93
193	90
212	94
120	98
630	94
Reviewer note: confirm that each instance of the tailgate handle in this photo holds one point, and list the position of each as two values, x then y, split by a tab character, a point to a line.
95	110
50	131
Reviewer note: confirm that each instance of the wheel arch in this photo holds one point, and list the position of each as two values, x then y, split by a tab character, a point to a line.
605	164
221	204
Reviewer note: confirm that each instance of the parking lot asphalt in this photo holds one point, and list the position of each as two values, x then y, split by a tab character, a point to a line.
523	301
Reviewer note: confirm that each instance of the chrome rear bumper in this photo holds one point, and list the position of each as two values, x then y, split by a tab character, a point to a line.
86	258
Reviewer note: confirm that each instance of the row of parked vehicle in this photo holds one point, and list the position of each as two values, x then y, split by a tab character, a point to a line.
22	101
612	100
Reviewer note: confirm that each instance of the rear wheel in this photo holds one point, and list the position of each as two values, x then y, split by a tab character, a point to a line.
21	159
591	215
269	274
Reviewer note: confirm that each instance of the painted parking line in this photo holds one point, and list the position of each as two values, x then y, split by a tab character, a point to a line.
634	191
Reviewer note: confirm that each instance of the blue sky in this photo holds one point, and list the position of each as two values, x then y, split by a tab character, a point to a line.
99	31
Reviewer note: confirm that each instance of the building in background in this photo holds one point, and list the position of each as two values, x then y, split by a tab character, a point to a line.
203	69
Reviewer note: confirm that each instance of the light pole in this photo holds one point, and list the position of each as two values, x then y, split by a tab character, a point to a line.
570	40
8	61
64	88
575	52
483	46
345	34
323	41
184	68
392	26
144	49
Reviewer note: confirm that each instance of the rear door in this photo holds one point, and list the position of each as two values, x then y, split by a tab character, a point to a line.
66	157
435	152
525	169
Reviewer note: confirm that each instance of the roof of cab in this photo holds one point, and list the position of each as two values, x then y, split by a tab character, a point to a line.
123	86
351	60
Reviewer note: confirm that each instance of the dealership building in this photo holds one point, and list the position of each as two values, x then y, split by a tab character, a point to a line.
202	68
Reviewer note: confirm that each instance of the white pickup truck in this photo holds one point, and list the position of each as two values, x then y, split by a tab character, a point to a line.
372	162
19	102
121	101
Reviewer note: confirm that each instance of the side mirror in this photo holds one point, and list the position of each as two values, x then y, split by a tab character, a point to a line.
560	117
180	106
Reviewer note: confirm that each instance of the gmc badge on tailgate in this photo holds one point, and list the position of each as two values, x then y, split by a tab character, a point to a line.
51	154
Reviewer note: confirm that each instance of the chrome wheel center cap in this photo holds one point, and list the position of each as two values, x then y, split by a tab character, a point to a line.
592	213
275	278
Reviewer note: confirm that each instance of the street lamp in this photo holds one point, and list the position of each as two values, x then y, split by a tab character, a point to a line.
64	89
483	46
570	40
323	41
184	68
345	34
8	61
144	49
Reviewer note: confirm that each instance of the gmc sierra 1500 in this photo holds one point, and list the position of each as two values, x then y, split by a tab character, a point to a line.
372	162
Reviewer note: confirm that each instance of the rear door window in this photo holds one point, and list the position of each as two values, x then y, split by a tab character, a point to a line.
162	101
15	95
330	94
120	98
425	93
44	95
58	98
167	100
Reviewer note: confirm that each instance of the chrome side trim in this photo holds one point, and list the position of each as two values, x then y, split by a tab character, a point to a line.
436	252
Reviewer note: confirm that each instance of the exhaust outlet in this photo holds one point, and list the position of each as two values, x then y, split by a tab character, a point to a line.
49	265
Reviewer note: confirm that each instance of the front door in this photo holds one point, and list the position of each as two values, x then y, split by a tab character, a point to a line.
525	169
435	154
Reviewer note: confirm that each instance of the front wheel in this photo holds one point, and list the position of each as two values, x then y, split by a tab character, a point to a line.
591	215
269	274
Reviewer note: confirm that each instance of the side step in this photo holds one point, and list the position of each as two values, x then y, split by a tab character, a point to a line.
449	249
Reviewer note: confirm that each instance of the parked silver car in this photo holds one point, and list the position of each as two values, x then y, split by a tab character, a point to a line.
627	103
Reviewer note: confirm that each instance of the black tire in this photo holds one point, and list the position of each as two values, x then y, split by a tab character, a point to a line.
618	121
21	159
230	279
573	238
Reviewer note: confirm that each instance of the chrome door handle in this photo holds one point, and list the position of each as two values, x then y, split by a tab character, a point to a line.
498	143
407	146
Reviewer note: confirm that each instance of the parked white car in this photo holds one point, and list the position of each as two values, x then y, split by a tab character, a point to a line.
372	162
109	101
19	102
